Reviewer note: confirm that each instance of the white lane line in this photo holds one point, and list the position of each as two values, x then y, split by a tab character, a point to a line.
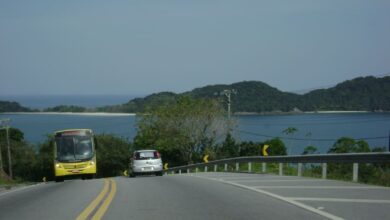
285	199
375	201
319	187
19	189
243	178
277	180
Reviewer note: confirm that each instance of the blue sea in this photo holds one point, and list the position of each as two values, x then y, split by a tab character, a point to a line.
320	130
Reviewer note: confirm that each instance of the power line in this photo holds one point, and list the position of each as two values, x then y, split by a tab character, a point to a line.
315	123
306	139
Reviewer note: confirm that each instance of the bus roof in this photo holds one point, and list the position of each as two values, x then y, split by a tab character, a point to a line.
74	130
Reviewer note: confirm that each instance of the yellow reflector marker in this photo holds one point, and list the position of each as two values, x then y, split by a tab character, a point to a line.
265	153
206	158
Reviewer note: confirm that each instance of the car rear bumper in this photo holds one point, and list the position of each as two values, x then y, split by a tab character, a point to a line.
147	169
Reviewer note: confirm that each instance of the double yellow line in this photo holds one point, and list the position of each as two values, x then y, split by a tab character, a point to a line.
99	205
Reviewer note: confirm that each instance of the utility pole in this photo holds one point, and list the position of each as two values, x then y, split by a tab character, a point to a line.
228	93
1	158
5	125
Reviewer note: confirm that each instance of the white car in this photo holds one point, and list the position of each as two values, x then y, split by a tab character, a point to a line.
146	162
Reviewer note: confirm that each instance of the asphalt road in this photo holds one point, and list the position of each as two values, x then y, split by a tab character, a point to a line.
196	196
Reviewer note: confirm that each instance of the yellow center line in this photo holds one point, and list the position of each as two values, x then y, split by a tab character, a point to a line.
103	208
91	207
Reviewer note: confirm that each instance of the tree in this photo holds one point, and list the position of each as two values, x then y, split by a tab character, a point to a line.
44	166
276	147
290	131
250	148
22	154
229	147
181	131
309	150
349	145
113	155
344	171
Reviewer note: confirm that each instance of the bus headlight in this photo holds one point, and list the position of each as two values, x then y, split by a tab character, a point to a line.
91	163
58	165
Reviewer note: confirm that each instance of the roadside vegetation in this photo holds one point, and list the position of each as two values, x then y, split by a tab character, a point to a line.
183	131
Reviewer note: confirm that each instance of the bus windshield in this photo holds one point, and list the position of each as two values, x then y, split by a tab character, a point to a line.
74	148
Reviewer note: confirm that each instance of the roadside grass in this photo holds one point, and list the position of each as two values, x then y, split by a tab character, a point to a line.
8	184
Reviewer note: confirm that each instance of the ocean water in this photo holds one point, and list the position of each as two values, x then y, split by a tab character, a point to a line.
320	130
45	101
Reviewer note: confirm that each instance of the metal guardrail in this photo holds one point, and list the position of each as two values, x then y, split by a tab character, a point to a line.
354	158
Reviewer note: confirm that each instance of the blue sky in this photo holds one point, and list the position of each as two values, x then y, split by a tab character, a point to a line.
145	46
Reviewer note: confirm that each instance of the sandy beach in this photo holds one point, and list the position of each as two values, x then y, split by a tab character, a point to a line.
71	113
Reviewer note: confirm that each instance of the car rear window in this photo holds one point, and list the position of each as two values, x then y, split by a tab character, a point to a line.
146	155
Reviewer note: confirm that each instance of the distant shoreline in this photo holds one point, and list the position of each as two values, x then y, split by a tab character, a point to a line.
335	112
237	113
71	113
302	113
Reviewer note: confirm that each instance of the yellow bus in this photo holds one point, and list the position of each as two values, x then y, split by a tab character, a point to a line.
74	154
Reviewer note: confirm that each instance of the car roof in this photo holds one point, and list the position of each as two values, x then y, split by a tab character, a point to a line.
144	151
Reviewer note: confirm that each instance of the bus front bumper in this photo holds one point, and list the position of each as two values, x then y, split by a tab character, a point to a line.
68	169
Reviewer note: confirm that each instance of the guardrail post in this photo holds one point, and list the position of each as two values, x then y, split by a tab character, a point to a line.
196	170
299	169
280	169
179	171
205	169
263	167
237	167
215	167
324	170
173	172
355	175
249	167
188	170
225	168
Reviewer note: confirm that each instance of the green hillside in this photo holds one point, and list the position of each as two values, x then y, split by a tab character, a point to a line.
363	94
139	104
6	106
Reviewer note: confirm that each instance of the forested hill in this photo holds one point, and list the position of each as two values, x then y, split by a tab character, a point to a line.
364	94
6	106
